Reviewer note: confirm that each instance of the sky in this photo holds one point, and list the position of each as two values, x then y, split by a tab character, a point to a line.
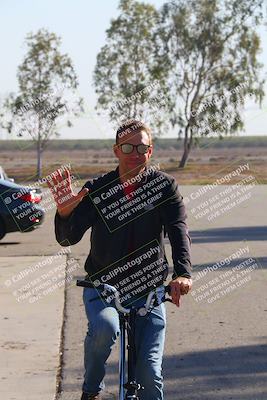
82	25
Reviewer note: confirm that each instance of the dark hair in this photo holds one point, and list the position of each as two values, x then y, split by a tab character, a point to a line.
133	125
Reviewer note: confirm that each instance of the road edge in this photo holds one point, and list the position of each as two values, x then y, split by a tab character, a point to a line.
59	376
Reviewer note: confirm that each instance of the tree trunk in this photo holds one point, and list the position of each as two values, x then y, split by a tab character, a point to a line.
39	152
187	147
39	159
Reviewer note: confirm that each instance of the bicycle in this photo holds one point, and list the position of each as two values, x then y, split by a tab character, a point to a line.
128	390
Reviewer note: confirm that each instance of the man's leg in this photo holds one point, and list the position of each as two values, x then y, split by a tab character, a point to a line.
150	338
103	330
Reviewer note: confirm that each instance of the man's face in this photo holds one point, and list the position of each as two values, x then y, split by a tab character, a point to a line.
133	161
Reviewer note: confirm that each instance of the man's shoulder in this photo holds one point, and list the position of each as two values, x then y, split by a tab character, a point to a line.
158	173
101	180
166	184
166	176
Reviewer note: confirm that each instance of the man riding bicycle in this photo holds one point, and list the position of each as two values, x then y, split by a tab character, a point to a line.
129	209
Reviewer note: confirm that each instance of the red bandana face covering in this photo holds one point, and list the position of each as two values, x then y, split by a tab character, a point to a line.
128	190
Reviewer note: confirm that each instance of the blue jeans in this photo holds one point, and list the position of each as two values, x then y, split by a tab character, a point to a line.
103	330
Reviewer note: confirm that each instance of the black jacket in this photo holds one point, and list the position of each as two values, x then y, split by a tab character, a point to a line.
156	208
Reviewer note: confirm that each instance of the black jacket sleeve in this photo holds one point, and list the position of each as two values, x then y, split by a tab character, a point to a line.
70	230
173	215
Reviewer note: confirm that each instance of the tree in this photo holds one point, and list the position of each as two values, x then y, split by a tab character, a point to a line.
126	80
46	98
207	50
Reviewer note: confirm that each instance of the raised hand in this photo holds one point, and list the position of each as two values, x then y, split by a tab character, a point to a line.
66	200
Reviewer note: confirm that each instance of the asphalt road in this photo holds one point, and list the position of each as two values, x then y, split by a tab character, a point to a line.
216	343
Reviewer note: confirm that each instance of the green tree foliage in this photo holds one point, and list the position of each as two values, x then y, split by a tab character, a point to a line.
208	52
126	78
47	97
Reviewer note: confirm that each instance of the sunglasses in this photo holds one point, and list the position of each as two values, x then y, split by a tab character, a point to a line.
128	148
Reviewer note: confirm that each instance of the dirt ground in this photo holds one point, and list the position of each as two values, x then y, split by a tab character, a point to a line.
204	164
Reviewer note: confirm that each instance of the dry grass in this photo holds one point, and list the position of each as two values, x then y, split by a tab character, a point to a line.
205	165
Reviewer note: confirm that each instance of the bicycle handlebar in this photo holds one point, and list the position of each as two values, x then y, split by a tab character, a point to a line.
105	288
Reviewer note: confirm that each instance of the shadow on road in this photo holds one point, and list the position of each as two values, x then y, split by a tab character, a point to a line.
8	243
223	373
230	234
260	261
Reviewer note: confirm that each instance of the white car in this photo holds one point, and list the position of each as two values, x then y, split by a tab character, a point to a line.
4	176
